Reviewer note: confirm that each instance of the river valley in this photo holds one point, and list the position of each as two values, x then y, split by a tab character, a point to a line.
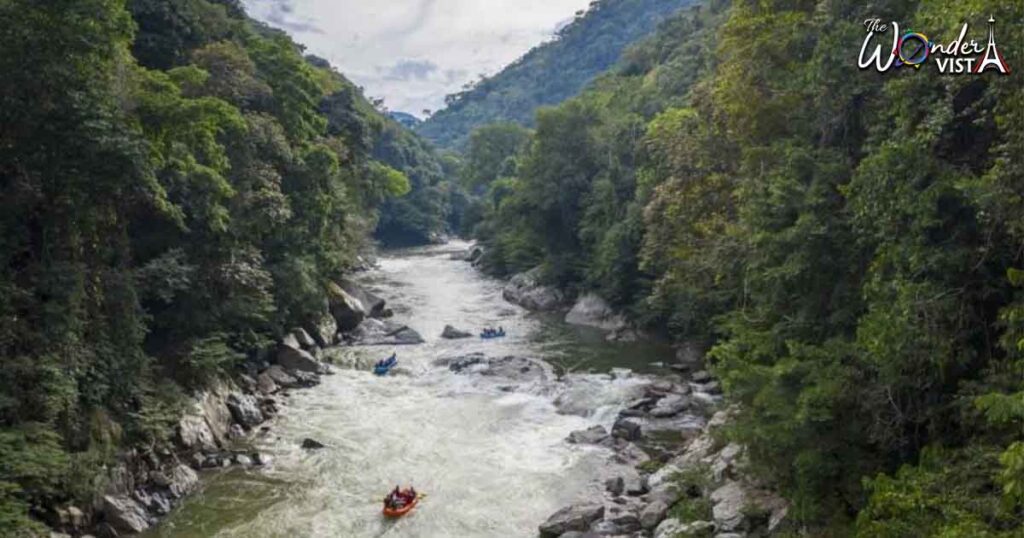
489	451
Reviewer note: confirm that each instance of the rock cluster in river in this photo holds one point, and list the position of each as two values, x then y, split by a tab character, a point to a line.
668	428
528	291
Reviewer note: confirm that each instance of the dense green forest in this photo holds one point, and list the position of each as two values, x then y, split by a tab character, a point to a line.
177	183
849	244
551	72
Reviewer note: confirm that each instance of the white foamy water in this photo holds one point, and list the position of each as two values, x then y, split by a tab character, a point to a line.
489	452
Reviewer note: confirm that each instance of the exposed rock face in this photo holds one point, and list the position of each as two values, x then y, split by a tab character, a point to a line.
526	291
124	514
571	518
347	310
194	433
245	409
451	333
593	311
218	416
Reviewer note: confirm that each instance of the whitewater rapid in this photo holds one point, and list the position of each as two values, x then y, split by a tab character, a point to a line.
490	453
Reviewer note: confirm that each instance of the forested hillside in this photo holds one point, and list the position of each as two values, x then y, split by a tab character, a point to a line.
177	183
849	244
551	72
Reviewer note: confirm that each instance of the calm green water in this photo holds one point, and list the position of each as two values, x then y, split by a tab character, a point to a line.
493	461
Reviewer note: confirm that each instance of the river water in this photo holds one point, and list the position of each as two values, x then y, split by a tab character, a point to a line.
490	453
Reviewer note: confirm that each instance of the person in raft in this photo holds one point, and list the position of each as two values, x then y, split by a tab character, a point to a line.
398	498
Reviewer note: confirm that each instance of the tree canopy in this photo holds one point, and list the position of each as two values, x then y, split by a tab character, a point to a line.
848	243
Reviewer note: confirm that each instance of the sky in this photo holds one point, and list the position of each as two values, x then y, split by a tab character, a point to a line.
414	52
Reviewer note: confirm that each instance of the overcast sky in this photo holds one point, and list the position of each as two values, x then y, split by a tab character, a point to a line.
414	52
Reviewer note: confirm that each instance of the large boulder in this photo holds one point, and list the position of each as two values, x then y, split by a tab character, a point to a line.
375	332
266	384
627	429
471	254
526	290
245	409
347	310
576	517
653	514
280	377
619	522
591	436
512	368
666	492
670	405
303	338
195	434
374	305
182	481
593	311
124	514
298	360
324	329
730	503
211	406
451	333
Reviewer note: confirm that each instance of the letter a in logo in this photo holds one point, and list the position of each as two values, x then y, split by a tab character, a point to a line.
992	57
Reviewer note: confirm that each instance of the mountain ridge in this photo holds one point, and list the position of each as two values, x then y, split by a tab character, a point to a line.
551	72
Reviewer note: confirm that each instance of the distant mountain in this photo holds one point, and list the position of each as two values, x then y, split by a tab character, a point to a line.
550	72
405	118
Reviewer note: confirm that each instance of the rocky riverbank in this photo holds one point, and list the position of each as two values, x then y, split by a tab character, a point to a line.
220	422
683	479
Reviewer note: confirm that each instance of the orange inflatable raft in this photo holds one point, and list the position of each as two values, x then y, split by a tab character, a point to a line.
399	512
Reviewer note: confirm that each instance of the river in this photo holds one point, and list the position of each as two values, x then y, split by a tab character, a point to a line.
491	455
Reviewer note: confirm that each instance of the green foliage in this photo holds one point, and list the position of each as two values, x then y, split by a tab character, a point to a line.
945	495
848	242
551	72
492	153
170	201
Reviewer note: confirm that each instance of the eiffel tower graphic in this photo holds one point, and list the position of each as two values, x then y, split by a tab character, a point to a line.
992	57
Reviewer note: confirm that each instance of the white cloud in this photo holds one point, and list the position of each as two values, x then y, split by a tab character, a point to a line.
414	52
